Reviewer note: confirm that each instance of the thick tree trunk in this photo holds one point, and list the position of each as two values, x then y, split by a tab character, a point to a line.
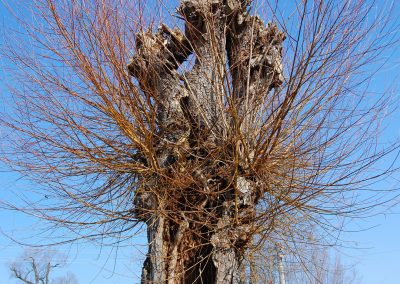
213	261
198	209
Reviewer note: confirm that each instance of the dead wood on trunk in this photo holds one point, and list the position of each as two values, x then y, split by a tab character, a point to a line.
203	138
198	232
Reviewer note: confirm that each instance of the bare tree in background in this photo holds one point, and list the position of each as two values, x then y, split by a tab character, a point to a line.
320	266
37	266
308	264
220	134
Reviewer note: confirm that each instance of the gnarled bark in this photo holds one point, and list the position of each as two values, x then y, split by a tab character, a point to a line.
198	231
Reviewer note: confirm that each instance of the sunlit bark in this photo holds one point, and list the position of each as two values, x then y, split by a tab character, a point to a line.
219	135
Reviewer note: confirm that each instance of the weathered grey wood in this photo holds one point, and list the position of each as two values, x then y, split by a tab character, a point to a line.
192	121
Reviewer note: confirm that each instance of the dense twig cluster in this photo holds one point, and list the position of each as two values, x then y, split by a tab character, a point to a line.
254	137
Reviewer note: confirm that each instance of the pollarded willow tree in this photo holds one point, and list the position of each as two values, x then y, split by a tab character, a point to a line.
219	134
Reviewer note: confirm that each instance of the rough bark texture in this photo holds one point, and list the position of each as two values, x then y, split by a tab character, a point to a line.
198	230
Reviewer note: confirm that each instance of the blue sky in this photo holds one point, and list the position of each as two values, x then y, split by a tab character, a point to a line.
374	246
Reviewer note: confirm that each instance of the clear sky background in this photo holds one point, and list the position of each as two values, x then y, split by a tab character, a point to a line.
374	247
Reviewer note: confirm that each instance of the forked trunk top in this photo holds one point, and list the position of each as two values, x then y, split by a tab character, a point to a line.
200	204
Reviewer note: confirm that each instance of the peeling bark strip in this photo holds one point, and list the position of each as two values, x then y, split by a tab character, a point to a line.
200	202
